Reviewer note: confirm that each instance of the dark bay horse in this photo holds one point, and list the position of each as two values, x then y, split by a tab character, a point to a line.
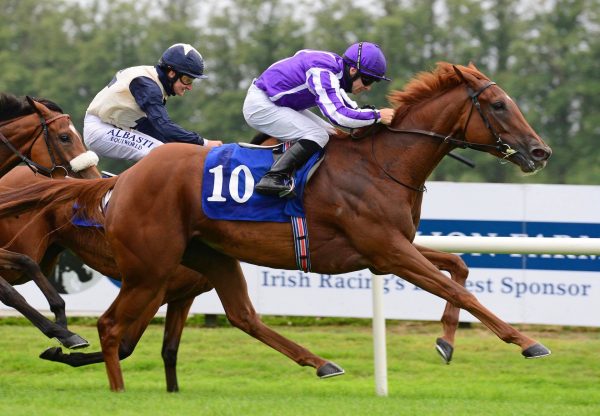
39	134
363	205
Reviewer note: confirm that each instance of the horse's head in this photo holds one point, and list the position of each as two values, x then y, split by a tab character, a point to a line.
493	122
61	150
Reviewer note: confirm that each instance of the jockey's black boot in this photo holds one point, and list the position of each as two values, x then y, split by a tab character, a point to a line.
278	180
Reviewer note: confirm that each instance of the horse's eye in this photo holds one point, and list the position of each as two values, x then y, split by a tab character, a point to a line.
499	105
65	138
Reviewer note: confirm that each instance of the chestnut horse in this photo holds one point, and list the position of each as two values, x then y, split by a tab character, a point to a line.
44	237
363	205
39	134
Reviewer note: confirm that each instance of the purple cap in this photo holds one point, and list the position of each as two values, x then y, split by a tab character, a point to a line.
368	58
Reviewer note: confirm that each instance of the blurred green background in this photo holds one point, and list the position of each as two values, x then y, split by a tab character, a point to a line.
545	54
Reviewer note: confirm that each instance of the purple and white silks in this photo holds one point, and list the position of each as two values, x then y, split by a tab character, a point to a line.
312	78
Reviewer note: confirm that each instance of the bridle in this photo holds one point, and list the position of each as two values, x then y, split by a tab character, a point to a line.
36	167
500	146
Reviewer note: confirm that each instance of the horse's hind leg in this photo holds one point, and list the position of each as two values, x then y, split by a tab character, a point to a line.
133	305
177	313
233	293
459	272
10	297
78	359
225	274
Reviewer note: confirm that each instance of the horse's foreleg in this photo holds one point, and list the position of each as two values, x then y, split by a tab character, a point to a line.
10	297
24	264
177	313
226	275
78	359
459	272
416	269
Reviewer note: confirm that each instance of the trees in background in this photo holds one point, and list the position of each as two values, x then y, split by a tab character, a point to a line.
546	54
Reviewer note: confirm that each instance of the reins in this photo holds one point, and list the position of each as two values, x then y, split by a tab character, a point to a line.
36	167
463	143
420	189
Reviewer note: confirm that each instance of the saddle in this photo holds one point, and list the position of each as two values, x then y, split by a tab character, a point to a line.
278	150
230	173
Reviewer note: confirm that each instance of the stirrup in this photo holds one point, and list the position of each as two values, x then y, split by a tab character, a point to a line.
289	193
275	184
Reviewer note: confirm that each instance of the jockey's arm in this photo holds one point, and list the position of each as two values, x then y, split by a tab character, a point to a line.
332	102
148	96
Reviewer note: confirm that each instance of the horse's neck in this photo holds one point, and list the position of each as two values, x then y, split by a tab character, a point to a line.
413	155
394	162
8	159
20	135
408	158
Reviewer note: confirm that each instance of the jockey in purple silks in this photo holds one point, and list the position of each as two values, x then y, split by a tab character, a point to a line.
278	103
128	118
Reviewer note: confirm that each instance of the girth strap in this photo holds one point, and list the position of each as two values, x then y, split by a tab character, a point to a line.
300	231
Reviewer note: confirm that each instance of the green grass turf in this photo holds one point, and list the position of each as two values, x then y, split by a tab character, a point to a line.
223	371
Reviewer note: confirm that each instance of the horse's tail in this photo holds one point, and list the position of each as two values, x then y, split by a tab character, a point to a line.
85	193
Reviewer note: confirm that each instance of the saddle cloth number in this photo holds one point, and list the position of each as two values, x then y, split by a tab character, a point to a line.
234	182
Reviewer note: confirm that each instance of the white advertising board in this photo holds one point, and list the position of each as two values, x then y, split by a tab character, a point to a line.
541	289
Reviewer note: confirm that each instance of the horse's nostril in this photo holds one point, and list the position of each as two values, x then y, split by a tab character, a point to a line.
540	154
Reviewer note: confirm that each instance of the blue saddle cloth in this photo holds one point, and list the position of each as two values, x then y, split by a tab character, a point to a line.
230	173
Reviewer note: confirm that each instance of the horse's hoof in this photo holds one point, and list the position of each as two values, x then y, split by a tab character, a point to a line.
444	349
51	353
74	342
536	351
330	370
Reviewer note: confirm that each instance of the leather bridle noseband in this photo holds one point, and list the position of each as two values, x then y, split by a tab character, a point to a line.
36	167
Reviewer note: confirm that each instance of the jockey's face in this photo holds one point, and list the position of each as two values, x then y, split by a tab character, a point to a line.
179	88
357	85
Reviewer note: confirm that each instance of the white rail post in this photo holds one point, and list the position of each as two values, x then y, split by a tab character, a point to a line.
379	347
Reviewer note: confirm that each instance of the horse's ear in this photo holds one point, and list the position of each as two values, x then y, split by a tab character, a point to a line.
34	105
472	66
460	74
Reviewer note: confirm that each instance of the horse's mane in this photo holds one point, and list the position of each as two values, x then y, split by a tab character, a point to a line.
427	85
50	105
12	106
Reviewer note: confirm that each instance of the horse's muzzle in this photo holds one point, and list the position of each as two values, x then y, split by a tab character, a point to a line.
533	159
